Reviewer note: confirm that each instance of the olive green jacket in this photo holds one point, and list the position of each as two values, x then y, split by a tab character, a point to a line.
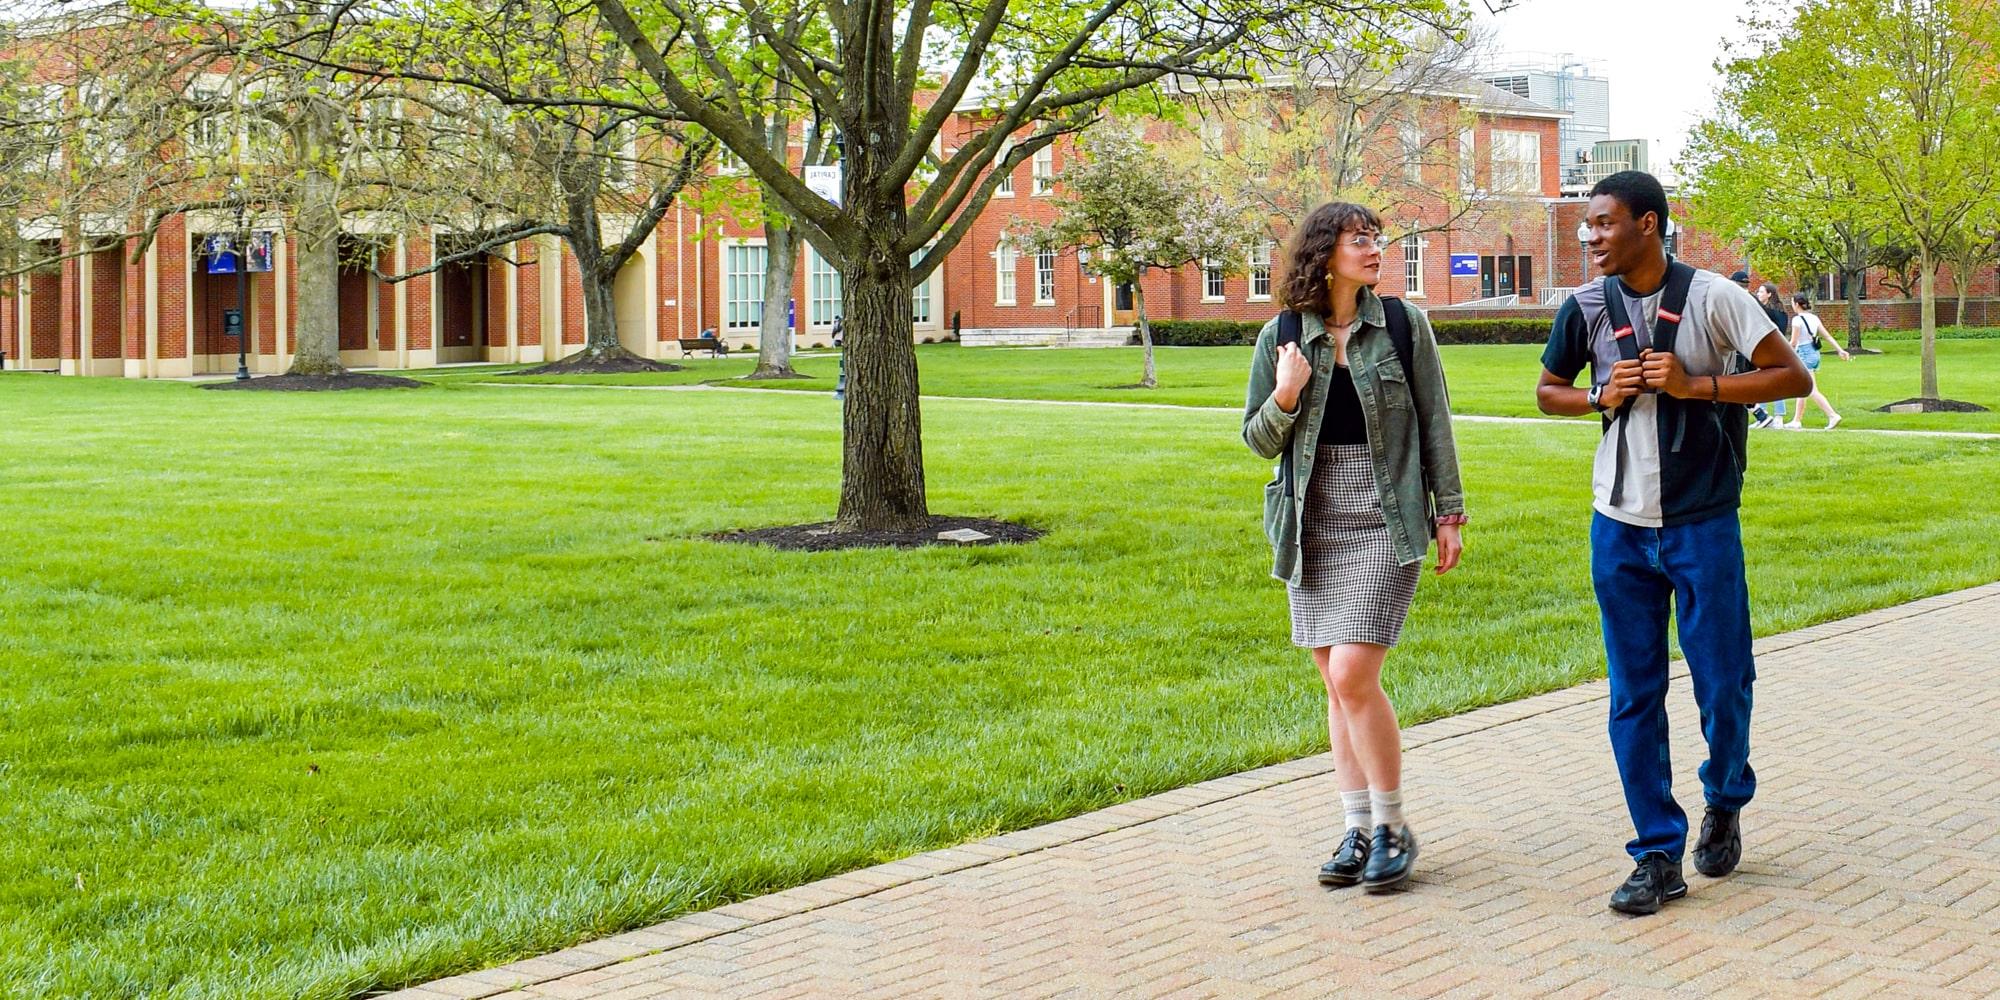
1408	420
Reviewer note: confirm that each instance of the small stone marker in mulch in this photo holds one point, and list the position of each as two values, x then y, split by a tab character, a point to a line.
964	535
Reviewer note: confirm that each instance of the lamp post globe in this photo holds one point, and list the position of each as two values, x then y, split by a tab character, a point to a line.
1583	248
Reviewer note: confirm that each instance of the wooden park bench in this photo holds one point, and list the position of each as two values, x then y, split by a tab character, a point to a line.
713	345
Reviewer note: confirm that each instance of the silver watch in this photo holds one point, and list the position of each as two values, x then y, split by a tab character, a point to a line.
1596	393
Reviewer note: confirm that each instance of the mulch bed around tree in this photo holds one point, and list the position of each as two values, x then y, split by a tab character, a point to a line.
1934	406
318	383
581	365
764	376
822	538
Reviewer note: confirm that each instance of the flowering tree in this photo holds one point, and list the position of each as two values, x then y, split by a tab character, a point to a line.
1132	211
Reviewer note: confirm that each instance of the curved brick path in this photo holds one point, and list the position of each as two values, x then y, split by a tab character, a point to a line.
1209	890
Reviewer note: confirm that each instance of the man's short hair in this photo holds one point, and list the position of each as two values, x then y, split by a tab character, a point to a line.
1639	192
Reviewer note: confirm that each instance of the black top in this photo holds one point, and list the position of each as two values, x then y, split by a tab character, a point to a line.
1341	422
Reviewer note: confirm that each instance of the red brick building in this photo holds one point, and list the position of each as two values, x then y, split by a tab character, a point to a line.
158	312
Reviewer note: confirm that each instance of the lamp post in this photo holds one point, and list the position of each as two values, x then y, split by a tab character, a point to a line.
1583	252
239	199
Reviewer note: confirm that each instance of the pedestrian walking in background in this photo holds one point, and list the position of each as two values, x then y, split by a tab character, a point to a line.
1806	331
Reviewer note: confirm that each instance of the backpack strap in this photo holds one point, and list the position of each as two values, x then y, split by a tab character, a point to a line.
1398	320
1666	327
1290	329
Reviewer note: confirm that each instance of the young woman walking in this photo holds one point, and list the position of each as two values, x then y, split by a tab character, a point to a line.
1806	331
1368	478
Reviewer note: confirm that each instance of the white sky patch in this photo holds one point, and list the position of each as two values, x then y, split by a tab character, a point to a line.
1659	57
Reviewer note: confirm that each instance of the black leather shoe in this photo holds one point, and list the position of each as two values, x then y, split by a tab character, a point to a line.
1721	843
1389	858
1348	862
1653	882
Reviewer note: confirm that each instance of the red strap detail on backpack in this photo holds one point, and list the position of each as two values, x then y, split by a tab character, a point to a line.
1671	317
1622	332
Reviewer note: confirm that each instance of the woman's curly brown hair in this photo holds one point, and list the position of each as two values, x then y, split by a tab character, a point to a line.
1312	245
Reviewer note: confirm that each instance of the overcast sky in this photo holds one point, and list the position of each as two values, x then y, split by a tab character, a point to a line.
1659	57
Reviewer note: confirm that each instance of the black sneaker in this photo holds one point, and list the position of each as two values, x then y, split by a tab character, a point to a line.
1348	862
1721	843
1389	858
1654	881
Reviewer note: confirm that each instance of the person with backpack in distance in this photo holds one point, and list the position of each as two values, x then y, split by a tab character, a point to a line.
1347	391
1806	331
1658	336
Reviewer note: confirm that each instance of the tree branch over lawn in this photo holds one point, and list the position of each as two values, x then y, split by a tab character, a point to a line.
1047	69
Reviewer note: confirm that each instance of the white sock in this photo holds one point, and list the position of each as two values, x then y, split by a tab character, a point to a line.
1387	807
1357	807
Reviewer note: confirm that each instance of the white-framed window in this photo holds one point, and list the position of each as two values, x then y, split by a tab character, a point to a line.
1006	264
1211	280
1045	278
1045	170
920	296
822	290
1412	136
378	124
1517	161
621	154
43	111
1413	266
727	163
1005	189
742	286
1468	160
1260	272
208	134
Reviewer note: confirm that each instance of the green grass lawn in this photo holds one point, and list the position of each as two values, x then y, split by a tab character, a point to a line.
311	694
1488	380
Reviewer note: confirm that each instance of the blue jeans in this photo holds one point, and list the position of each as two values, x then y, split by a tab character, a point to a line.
1698	568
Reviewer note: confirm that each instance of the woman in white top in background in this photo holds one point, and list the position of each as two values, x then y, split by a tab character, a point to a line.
1806	331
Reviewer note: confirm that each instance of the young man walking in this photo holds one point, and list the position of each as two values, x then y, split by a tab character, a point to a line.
1657	336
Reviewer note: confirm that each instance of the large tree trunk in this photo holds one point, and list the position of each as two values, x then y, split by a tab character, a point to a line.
1150	381
1927	320
316	347
774	337
1850	278
597	273
600	307
882	454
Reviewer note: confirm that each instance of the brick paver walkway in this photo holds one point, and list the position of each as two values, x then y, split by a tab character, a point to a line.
1871	867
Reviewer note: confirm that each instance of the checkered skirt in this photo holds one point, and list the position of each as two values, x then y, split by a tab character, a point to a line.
1351	587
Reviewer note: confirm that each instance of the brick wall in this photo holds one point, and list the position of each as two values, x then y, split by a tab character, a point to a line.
171	266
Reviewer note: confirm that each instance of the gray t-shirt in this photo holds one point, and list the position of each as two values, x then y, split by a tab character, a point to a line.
1721	320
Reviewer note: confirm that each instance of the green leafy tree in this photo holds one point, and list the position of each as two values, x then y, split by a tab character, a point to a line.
889	76
1916	83
1382	126
1131	210
548	109
1759	173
